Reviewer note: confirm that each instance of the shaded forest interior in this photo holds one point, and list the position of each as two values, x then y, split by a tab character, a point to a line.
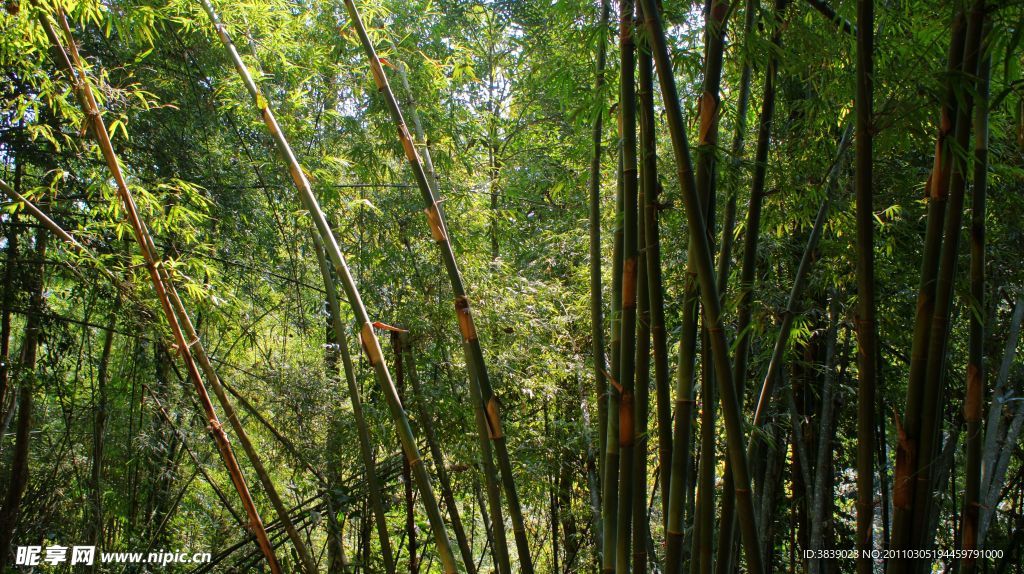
499	286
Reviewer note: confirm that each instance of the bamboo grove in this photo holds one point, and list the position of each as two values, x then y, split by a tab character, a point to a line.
471	286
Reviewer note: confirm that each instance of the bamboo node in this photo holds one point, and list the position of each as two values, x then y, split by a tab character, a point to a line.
434	221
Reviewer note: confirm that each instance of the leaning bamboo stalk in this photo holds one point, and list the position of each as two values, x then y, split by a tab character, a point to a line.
471	343
373	483
199	352
76	75
243	437
776	362
976	345
748	267
370	343
712	305
427	424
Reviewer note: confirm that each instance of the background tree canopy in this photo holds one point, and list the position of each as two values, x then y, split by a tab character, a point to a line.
503	286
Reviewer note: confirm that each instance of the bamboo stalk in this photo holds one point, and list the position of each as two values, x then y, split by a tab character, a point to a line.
909	432
708	289
651	262
976	367
630	254
75	72
594	214
373	484
640	518
789	314
370	343
610	479
867	331
471	343
934	393
748	269
427	424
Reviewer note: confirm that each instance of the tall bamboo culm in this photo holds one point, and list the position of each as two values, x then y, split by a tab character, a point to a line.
630	234
867	355
935	376
70	62
709	292
651	256
368	338
471	342
973	402
373	484
594	215
937	187
408	358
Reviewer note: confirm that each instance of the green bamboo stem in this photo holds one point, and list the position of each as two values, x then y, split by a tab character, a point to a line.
682	432
370	343
427	424
708	289
641	520
655	292
867	330
703	519
594	214
373	484
748	270
789	314
938	187
630	254
948	260
75	72
974	400
610	478
471	343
